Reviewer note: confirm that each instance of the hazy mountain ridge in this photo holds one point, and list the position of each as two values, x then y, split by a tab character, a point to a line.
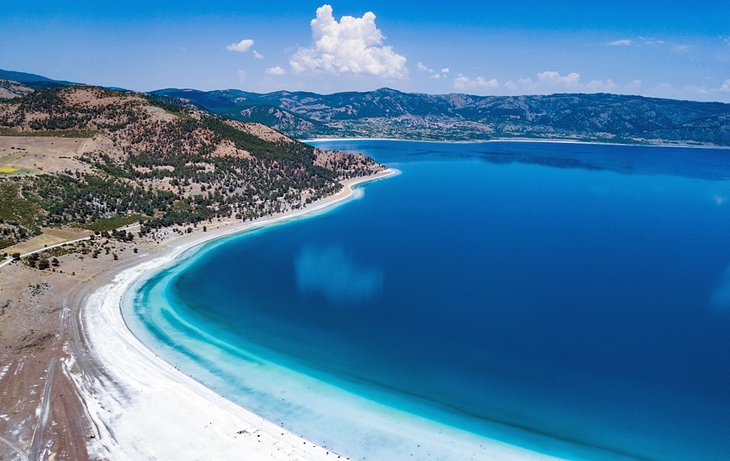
32	80
391	113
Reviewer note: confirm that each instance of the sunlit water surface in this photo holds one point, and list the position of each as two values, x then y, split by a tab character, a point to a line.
570	299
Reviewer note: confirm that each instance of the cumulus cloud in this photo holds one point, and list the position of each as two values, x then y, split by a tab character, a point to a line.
277	70
241	74
554	79
622	42
257	55
464	83
348	46
725	87
242	46
548	81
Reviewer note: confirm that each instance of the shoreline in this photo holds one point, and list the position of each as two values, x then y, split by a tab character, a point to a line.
521	140
140	404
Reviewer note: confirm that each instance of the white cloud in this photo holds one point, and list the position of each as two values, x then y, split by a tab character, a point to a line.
622	42
649	41
241	74
434	74
257	55
464	83
277	70
348	46
601	86
551	81
719	92
242	46
552	78
643	42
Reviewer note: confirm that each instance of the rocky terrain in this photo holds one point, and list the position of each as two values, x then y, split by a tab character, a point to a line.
390	113
95	158
10	89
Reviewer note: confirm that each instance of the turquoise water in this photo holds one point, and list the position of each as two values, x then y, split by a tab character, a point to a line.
570	299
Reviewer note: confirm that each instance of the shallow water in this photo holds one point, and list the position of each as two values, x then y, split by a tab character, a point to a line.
570	299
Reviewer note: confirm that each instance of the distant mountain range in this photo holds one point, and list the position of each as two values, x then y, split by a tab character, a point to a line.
390	113
32	80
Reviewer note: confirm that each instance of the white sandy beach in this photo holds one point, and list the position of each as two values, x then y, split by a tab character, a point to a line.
144	408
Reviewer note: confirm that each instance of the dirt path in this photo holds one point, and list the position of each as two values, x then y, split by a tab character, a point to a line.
50	238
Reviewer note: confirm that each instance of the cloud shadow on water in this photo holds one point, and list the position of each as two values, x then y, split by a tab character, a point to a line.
332	273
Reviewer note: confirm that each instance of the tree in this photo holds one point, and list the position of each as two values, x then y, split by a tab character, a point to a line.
43	264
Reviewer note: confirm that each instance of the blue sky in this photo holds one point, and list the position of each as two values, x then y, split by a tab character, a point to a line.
668	49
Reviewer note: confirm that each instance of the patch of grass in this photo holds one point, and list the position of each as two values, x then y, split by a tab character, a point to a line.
13	171
70	133
115	222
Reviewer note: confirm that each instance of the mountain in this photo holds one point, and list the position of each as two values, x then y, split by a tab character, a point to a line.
251	107
391	113
10	89
32	80
85	156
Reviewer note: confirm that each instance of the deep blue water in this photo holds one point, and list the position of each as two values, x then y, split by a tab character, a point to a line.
572	299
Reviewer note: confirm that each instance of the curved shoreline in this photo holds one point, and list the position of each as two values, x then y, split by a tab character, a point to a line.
143	407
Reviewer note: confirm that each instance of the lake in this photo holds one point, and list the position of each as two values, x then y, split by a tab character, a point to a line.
569	299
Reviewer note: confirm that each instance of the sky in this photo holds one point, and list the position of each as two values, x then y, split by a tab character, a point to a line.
675	49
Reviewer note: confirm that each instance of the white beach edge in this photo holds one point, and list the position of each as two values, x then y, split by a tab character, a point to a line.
144	408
